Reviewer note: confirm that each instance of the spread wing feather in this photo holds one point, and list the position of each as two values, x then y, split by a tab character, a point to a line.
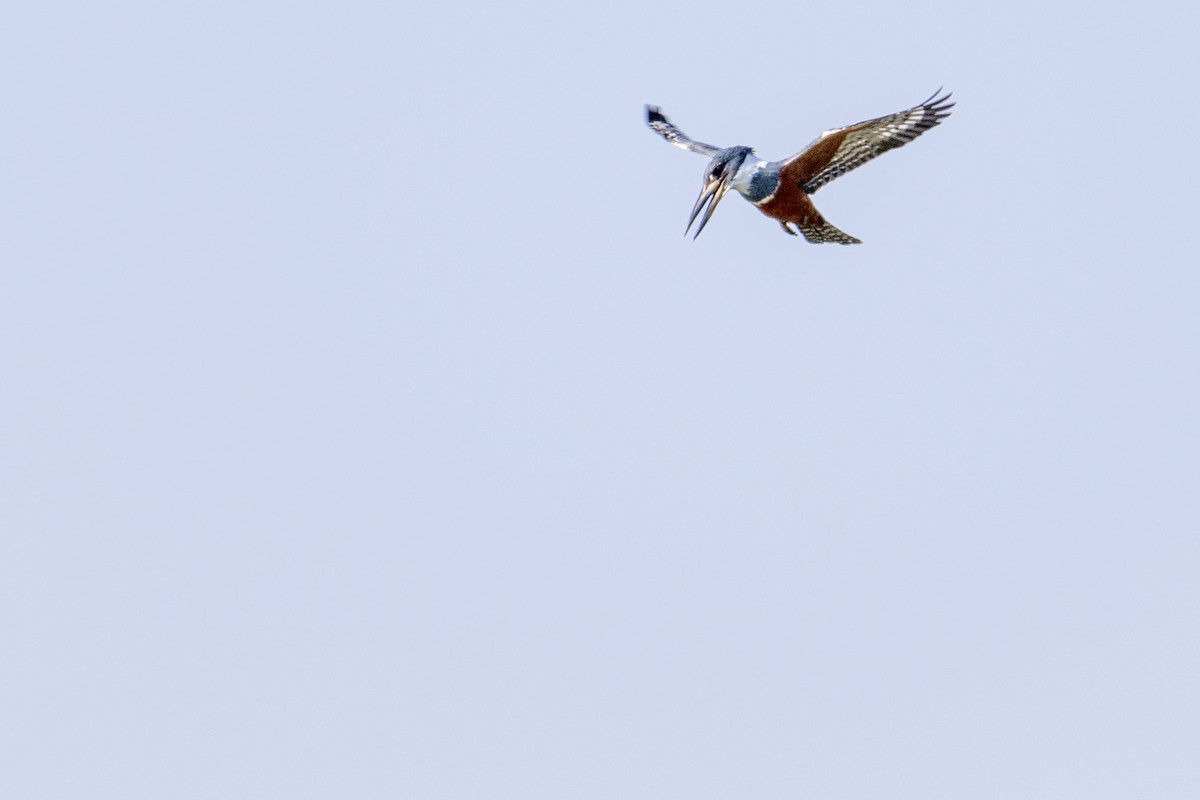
659	123
840	150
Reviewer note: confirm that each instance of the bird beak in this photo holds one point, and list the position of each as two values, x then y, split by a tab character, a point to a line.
712	193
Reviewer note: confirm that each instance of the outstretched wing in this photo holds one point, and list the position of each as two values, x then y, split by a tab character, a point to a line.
659	123
840	150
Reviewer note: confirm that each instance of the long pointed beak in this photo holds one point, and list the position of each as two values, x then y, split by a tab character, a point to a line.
712	193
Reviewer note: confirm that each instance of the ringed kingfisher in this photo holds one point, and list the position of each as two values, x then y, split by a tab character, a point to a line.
781	189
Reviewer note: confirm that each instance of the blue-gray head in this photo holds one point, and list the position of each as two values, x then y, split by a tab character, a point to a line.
717	178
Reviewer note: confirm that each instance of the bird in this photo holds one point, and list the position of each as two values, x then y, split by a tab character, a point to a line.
782	189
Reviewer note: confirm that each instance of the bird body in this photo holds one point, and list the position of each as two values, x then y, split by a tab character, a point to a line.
781	189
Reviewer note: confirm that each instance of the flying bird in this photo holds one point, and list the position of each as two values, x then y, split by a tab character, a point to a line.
782	189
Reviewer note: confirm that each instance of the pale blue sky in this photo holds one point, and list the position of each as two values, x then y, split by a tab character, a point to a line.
371	430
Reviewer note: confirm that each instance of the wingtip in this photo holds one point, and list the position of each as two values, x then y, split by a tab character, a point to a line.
654	114
939	100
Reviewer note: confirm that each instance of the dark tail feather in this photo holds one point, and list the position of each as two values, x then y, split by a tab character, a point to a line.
824	232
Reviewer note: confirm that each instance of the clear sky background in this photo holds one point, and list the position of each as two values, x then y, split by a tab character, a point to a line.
369	429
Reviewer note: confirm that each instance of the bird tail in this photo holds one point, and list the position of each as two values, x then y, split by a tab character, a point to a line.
821	232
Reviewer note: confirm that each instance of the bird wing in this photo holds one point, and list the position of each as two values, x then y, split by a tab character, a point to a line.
840	150
659	123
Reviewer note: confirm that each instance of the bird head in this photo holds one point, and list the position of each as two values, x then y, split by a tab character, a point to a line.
717	178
